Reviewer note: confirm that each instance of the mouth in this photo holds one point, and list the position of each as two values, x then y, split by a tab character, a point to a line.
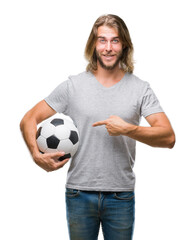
108	57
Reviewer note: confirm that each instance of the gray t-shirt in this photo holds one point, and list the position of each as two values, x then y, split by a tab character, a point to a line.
103	162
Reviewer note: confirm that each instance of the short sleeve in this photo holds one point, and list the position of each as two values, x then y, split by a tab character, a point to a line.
149	102
58	98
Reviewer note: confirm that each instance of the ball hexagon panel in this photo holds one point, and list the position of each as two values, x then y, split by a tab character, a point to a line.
41	141
65	146
47	130
62	132
50	150
74	149
72	126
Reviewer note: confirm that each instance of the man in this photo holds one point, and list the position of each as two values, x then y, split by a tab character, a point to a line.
106	103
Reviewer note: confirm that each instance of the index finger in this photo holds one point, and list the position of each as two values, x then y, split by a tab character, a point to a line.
60	164
99	123
59	156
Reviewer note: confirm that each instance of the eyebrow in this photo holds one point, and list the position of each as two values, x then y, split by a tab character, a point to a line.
105	37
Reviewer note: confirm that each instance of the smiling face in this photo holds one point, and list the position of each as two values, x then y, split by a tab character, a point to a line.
108	48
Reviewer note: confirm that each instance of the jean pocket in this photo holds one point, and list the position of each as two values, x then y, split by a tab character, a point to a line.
72	192
124	195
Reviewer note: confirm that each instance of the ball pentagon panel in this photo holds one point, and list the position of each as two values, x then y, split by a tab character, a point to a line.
57	122
52	142
74	137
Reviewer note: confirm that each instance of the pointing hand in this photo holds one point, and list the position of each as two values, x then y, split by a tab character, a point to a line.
115	125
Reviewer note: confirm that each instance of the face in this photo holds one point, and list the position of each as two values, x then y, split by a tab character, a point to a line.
108	47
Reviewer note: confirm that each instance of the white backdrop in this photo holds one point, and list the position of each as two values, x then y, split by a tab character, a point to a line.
41	44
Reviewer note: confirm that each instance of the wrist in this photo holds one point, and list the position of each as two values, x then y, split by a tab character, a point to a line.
36	155
130	130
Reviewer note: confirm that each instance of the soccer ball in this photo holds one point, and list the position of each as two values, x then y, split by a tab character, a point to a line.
58	135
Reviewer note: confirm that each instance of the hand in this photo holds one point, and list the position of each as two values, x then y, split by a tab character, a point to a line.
115	125
49	161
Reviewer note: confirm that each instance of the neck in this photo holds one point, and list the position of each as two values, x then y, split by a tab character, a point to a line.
109	77
113	74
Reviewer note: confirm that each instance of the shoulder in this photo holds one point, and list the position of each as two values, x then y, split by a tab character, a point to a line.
136	83
75	80
80	77
133	79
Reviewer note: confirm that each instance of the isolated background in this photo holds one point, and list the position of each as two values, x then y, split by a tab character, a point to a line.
41	44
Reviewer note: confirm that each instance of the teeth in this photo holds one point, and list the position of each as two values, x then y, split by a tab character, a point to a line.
109	57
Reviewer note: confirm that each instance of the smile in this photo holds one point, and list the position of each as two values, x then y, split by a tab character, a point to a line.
108	57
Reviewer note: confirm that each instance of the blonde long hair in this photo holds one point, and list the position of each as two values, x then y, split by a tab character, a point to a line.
110	20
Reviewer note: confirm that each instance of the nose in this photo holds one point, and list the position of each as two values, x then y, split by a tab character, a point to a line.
108	46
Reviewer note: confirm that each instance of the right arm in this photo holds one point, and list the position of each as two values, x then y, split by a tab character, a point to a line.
28	126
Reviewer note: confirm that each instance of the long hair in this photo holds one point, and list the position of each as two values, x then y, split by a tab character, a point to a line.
110	20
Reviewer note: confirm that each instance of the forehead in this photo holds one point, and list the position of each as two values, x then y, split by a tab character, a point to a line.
107	32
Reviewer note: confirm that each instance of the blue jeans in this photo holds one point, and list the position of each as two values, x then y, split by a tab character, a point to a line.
87	209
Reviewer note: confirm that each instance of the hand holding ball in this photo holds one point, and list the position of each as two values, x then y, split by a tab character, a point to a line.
58	135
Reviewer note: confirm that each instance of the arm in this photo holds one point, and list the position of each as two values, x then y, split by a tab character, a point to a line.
28	126
159	134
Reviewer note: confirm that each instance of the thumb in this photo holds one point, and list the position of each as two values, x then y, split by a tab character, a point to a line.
59	154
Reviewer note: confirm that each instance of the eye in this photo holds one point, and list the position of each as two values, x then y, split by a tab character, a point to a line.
102	40
115	41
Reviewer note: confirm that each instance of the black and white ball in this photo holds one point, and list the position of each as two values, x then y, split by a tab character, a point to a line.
58	135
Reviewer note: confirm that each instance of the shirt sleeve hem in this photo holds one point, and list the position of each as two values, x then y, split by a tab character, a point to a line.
152	111
47	100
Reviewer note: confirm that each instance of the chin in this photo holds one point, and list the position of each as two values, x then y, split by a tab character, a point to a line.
110	66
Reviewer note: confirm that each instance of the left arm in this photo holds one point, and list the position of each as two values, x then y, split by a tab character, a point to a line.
159	134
